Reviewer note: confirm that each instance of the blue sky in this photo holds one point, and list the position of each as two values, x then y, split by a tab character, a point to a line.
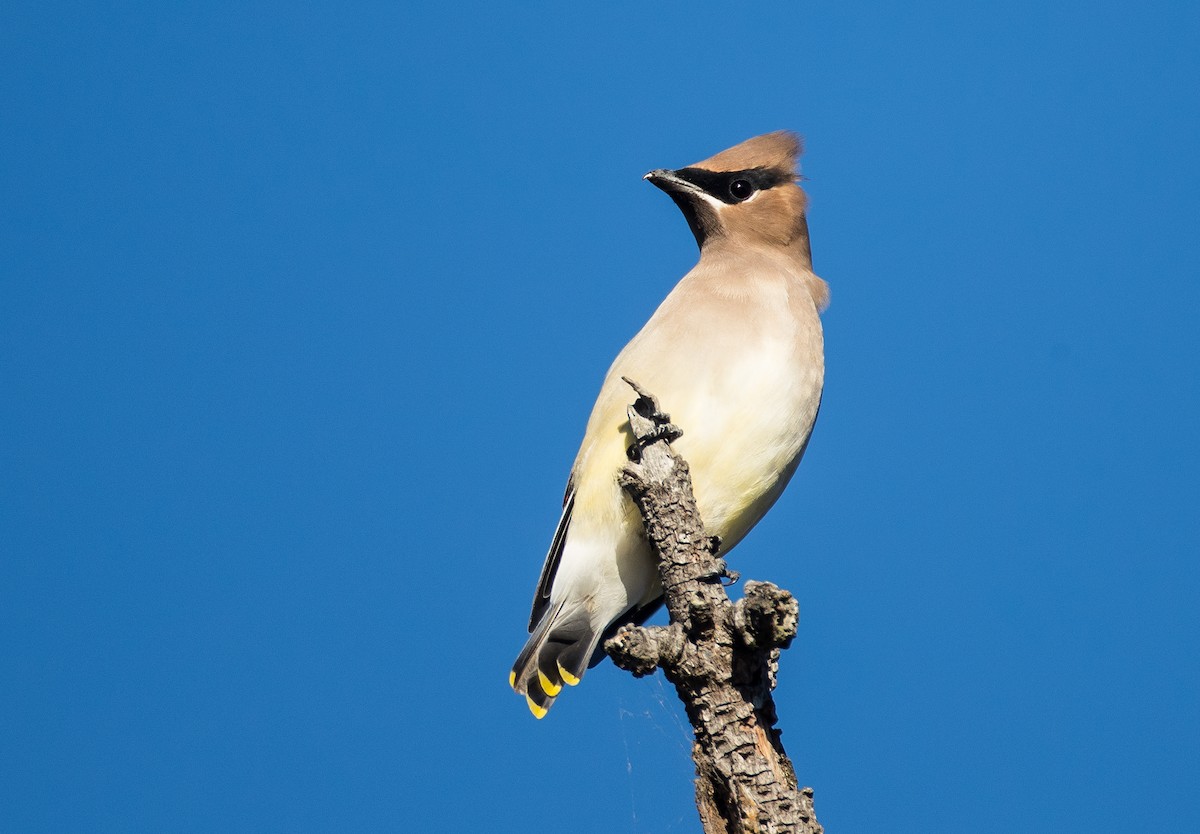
303	307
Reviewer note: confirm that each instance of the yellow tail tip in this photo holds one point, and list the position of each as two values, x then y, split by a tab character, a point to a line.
538	712
568	678
512	679
548	686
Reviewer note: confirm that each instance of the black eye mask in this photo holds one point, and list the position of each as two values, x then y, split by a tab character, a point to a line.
733	186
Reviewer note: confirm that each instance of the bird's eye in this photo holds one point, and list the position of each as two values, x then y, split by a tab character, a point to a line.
740	189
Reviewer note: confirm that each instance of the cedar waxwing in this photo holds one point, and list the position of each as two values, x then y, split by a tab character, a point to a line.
735	355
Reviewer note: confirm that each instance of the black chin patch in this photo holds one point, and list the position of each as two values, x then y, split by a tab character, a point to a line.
701	217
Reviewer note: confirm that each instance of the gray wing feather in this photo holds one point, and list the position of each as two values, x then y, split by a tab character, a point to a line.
541	598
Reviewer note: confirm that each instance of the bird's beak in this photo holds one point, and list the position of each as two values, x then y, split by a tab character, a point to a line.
669	181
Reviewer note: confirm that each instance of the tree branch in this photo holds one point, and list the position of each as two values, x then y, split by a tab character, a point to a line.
721	656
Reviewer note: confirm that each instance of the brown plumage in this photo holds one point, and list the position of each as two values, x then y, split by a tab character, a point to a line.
778	150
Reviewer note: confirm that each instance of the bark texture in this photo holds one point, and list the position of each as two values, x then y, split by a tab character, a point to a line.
720	655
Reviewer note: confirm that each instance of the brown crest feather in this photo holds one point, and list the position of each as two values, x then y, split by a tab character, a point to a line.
778	150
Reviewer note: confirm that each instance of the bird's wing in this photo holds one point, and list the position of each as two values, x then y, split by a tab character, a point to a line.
541	598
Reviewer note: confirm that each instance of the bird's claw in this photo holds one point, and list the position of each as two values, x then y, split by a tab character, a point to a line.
721	572
663	431
661	428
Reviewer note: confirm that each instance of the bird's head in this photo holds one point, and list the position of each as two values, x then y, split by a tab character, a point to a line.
746	195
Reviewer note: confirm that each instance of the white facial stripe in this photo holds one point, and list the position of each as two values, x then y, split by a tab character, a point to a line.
710	199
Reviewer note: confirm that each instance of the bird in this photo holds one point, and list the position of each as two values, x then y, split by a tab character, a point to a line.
735	354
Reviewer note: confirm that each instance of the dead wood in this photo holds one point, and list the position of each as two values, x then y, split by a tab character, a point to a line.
721	656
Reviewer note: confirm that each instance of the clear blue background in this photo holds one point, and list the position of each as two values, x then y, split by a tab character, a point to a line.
303	307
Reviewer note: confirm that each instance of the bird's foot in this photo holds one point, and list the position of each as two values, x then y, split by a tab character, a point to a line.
655	424
666	431
718	570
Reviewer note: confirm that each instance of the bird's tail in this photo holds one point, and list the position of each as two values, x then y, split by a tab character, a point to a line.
556	653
